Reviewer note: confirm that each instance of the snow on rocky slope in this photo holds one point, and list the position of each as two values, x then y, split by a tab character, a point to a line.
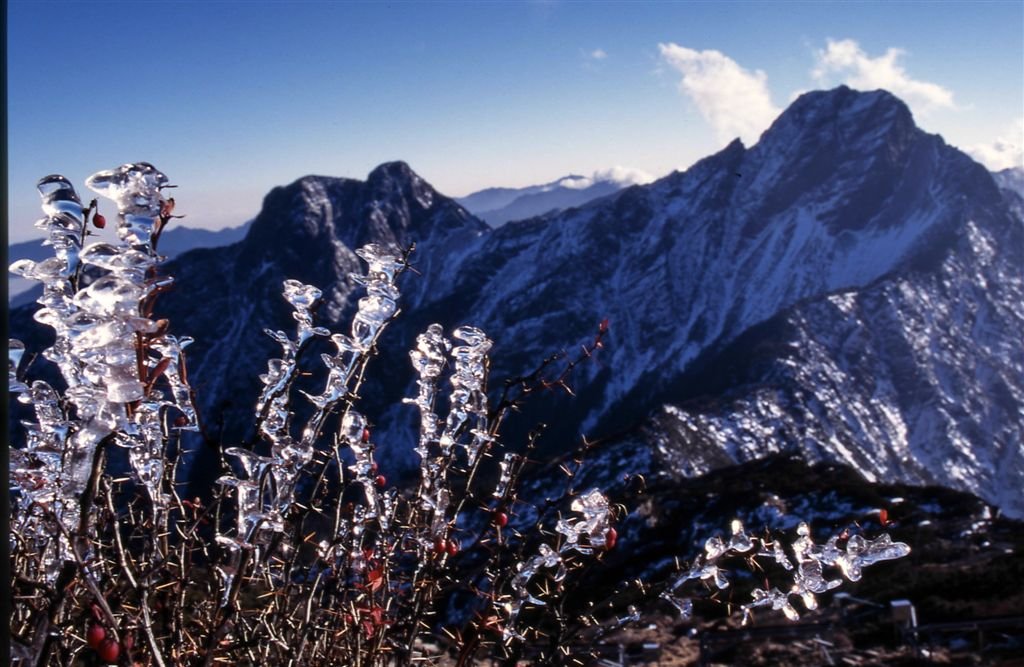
895	253
917	377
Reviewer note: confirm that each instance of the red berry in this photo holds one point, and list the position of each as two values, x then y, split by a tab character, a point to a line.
95	635
610	538
453	547
366	435
439	546
109	650
373	468
99	221
381	481
500	519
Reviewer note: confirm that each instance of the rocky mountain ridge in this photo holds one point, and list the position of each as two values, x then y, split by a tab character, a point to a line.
848	288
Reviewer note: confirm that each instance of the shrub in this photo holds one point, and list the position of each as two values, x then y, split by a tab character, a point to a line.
306	554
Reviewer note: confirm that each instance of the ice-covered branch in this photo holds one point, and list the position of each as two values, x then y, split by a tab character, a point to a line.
266	489
91	299
808	575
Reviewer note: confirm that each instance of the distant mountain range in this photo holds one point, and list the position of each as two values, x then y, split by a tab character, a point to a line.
498	206
176	240
849	289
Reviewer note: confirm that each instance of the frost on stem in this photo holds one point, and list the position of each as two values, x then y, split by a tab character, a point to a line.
546	557
594	525
468	398
506	467
467	423
428	361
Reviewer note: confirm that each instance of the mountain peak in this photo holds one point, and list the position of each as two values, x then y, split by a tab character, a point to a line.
396	170
843	96
396	180
835	144
392	206
844	113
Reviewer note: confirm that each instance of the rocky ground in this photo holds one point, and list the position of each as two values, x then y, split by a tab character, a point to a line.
966	567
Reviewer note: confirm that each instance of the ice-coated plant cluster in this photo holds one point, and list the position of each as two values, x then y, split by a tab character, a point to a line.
266	489
109	353
304	553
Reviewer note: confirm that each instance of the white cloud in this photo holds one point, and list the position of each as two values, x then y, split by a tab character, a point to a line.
845	61
735	101
598	54
624	176
574	182
1005	152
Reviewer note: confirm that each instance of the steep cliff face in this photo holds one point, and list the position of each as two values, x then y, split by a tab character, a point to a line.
1011	183
918	377
849	288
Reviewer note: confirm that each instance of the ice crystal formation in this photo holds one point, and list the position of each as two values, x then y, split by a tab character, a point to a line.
98	324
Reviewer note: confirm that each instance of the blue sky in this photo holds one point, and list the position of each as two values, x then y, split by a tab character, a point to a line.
233	98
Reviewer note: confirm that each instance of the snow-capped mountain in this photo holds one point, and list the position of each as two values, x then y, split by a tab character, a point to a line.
842	190
842	201
850	288
306	231
500	205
